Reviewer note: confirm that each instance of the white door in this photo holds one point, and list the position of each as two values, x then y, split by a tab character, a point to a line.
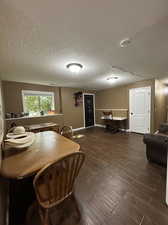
140	109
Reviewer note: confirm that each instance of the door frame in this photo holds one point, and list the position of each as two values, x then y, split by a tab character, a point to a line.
150	89
84	125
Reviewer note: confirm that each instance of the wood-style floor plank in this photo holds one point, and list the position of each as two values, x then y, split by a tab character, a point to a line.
117	185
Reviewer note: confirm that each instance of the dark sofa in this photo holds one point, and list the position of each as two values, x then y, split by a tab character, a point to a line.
157	144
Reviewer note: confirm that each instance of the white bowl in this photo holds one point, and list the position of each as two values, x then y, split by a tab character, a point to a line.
21	142
19	130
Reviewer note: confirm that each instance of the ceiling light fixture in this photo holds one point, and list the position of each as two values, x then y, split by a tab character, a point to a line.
74	67
125	42
112	78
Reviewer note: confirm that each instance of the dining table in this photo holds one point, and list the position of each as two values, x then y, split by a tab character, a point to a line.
19	166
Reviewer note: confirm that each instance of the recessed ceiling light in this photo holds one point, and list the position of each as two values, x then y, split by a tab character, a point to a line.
125	42
74	67
112	78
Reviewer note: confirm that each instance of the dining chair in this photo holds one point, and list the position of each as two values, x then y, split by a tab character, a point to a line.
67	132
54	183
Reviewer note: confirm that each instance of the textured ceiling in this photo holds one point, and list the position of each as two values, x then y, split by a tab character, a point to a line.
38	38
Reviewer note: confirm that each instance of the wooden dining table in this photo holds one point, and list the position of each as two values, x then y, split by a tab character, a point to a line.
20	166
47	147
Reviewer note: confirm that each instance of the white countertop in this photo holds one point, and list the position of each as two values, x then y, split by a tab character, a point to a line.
29	117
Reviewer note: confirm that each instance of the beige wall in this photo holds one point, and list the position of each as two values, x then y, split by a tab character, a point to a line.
160	103
72	115
1	122
12	93
3	183
1	119
118	98
64	101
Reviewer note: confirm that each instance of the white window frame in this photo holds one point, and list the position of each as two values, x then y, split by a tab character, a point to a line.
40	93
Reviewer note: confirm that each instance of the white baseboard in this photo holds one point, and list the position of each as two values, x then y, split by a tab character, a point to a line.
125	130
89	127
99	125
103	126
80	128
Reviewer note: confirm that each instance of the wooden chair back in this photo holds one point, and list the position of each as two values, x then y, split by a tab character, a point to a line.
54	183
67	132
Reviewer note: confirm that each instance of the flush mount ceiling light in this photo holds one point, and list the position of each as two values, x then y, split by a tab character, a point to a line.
112	78
125	42
74	67
52	84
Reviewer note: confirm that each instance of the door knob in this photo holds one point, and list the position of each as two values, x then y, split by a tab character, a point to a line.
131	113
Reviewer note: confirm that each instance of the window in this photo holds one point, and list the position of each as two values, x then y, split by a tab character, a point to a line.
35	102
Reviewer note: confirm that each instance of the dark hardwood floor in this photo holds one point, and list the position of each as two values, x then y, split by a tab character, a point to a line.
116	186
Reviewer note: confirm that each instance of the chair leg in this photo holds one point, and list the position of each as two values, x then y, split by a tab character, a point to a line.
30	213
46	217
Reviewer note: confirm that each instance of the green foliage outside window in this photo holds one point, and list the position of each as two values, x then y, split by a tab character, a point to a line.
36	104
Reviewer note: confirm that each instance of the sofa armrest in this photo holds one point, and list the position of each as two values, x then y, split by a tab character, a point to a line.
156	148
156	139
163	128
